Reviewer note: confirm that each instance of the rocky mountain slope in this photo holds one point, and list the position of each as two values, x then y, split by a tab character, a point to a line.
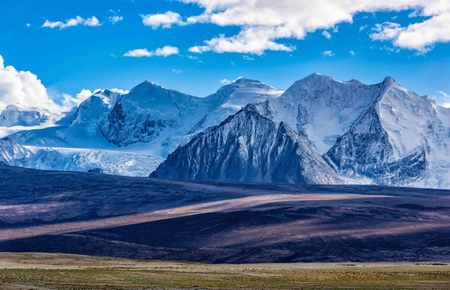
251	148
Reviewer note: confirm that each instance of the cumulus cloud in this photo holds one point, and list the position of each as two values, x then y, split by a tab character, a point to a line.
139	52
386	30
72	22
264	23
67	101
250	40
199	49
418	36
162	51
166	20
115	19
328	53
23	89
119	91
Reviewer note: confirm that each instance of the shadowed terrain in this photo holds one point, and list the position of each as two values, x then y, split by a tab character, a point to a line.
93	214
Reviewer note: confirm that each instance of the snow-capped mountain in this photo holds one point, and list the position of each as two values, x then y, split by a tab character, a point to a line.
233	97
131	134
248	147
150	111
95	108
322	107
401	139
379	133
76	144
15	116
79	130
166	118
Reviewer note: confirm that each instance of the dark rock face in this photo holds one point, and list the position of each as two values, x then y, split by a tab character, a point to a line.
122	131
366	144
251	148
365	151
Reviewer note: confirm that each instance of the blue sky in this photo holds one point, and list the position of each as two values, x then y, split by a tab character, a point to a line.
376	42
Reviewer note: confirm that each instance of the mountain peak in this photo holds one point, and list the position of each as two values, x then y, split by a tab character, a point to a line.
145	85
251	108
245	81
241	92
390	83
314	80
317	76
389	80
12	108
319	79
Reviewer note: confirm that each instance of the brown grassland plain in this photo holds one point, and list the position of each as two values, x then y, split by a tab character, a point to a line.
57	271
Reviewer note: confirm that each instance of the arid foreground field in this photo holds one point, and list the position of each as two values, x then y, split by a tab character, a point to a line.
56	271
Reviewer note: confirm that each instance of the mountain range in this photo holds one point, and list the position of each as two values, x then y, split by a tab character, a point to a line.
319	131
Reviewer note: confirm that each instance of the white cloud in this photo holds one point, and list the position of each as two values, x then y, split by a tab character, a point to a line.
72	22
166	20
328	53
385	31
115	19
419	36
67	101
162	51
264	23
166	51
139	52
351	52
177	71
445	99
23	89
119	91
326	34
250	41
444	94
199	49
225	82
